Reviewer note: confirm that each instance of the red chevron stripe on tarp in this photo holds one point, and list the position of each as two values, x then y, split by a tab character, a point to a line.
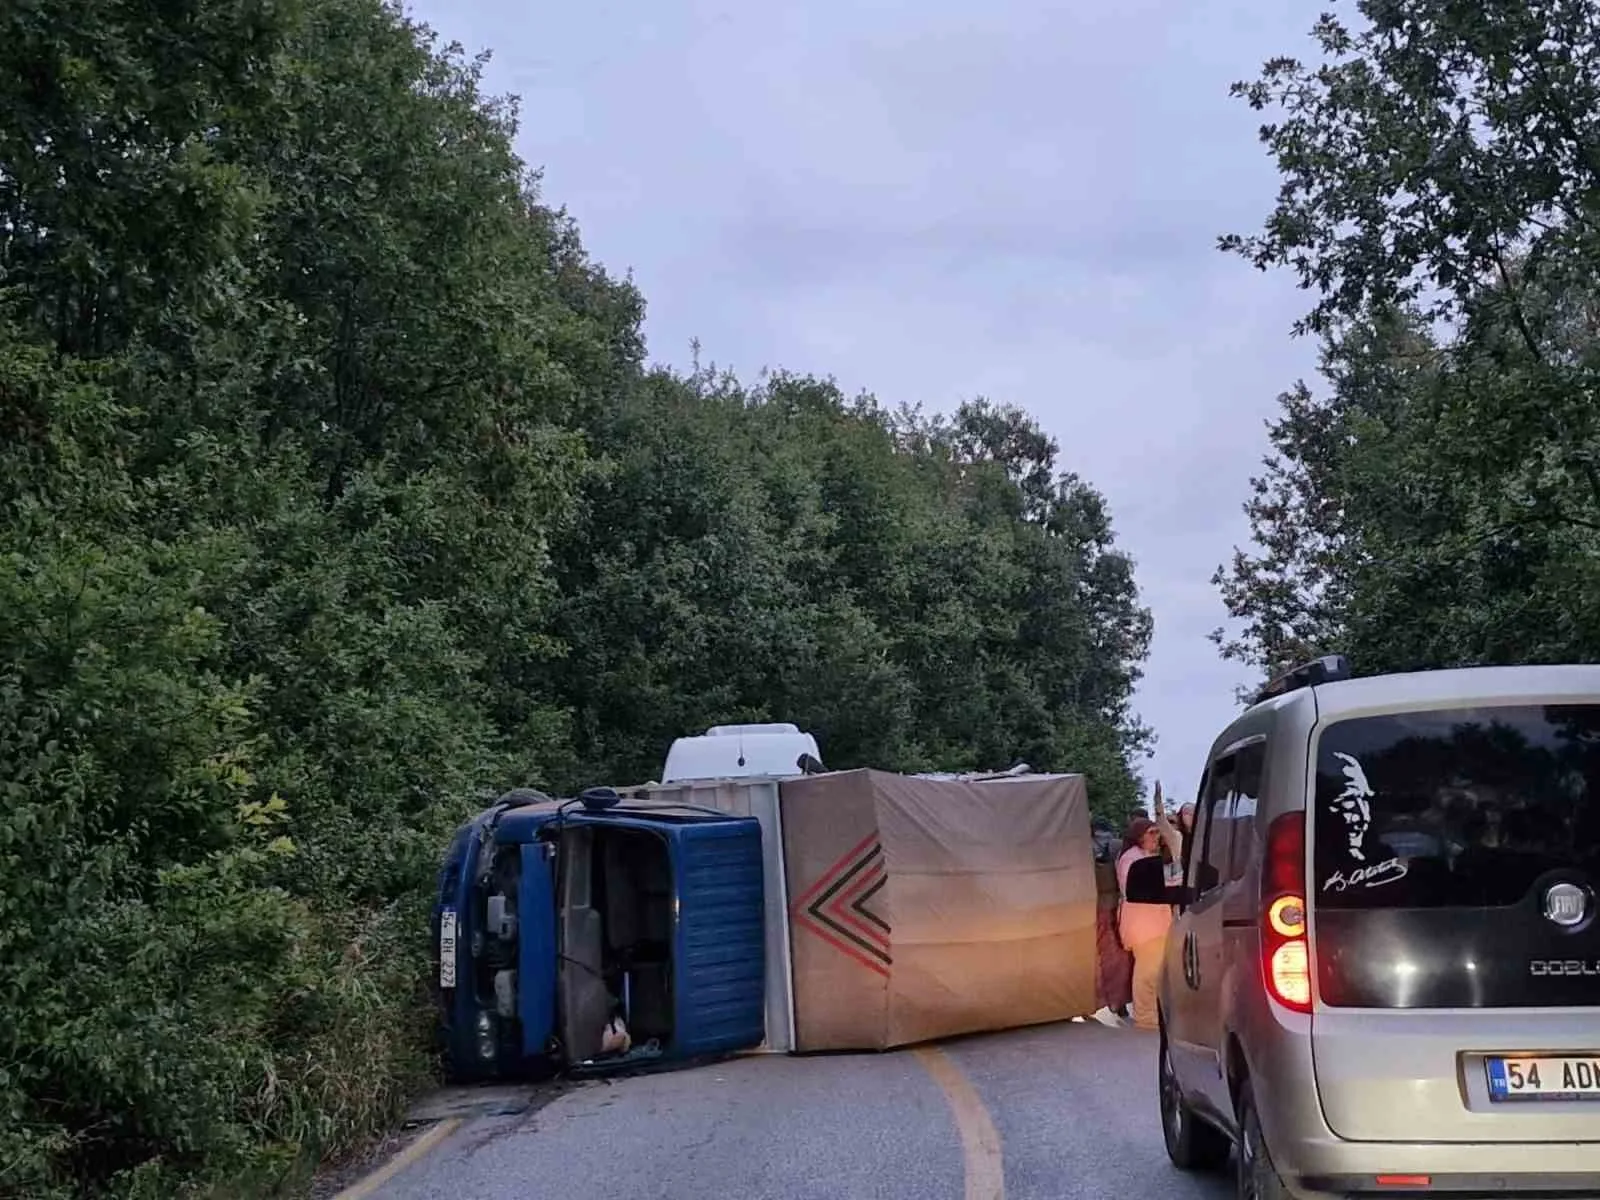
835	906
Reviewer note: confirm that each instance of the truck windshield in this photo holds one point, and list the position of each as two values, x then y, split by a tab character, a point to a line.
1459	808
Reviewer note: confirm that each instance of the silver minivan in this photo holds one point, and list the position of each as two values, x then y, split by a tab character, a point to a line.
1383	978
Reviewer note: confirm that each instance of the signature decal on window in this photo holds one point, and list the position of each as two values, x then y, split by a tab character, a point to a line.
1390	871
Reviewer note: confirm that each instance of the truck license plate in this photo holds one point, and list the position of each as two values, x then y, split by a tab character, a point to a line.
1549	1077
447	948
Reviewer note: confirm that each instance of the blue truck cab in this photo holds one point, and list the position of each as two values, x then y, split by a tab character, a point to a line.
558	924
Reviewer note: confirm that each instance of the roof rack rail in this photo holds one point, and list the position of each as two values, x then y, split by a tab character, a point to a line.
1330	668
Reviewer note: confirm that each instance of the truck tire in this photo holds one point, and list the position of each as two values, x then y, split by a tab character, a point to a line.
523	795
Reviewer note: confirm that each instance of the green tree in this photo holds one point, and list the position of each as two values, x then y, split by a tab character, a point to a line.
1439	505
888	582
287	378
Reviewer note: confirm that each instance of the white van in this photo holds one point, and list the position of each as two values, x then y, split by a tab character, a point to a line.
739	752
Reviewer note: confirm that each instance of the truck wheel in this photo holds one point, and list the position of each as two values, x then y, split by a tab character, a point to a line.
1258	1179
523	795
1192	1145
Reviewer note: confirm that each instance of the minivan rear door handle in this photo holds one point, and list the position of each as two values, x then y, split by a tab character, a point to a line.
1191	959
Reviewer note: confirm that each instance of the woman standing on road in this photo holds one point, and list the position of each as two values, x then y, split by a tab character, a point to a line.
1143	926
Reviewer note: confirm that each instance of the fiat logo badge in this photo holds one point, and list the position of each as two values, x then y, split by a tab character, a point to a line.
1566	904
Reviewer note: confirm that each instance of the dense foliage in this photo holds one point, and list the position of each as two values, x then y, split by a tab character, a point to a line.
921	594
1439	503
334	495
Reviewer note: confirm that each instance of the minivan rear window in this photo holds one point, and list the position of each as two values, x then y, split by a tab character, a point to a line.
1455	808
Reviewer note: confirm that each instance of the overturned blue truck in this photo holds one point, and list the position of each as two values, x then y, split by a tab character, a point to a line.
598	931
834	911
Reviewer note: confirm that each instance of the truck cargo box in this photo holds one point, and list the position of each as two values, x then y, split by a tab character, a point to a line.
900	908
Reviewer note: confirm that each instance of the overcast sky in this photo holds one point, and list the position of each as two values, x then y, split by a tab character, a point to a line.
933	201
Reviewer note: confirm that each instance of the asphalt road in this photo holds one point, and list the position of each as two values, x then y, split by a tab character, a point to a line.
1064	1112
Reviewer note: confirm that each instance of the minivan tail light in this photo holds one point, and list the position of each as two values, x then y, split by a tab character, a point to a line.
1286	957
1287	916
1290	972
1285	869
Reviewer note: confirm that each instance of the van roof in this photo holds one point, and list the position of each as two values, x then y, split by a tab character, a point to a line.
717	755
1460	687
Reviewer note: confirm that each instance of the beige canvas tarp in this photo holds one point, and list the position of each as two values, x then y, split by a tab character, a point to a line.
925	908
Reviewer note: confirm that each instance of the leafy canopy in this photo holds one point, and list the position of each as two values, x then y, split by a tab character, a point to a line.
1439	503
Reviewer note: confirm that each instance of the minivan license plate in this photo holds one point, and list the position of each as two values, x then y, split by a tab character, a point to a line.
1544	1078
447	948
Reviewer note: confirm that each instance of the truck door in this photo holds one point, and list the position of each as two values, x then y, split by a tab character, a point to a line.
536	948
719	943
584	1005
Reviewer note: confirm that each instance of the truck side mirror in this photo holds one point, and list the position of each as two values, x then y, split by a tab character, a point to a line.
1147	884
